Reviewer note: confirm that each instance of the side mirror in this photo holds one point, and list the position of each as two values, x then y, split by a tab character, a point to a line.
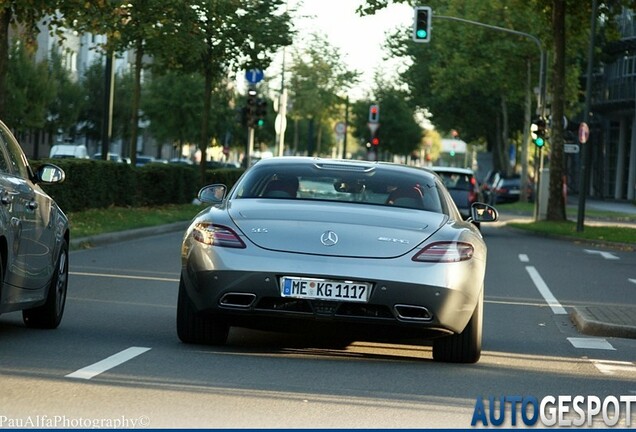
480	212
49	174
212	194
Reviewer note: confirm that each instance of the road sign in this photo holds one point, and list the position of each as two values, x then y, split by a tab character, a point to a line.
254	76
340	128
571	148
373	127
584	132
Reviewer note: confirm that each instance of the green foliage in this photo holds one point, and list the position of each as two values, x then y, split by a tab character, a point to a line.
95	184
64	109
29	92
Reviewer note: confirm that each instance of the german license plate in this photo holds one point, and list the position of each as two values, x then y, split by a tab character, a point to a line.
323	289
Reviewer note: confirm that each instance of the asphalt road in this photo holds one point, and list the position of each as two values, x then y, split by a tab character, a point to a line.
122	303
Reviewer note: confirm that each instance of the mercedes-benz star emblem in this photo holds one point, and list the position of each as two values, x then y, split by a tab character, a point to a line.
329	238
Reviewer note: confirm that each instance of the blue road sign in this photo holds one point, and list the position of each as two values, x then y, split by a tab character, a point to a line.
254	75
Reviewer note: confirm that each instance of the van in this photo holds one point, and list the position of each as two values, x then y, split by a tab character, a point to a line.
67	151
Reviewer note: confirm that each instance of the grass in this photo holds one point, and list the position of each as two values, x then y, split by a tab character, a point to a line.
99	221
607	232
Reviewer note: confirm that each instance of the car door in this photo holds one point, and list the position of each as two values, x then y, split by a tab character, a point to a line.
25	220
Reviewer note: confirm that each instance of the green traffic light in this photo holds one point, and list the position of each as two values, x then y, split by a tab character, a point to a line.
539	142
421	34
261	122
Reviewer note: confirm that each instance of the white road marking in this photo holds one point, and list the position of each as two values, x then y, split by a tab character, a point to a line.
124	276
89	372
545	291
608	367
605	255
632	280
524	258
591	343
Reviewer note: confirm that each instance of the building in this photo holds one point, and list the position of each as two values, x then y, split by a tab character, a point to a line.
613	120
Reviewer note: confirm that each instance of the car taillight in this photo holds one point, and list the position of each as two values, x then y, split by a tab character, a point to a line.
216	235
445	252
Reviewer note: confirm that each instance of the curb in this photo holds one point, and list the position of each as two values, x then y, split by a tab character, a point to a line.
108	238
615	321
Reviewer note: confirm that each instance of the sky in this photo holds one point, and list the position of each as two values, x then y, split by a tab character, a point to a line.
359	39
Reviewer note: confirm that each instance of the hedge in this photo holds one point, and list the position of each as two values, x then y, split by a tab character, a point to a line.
101	184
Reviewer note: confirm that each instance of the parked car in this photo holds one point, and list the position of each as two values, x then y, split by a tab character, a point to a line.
507	189
113	157
357	248
68	151
34	233
486	184
462	185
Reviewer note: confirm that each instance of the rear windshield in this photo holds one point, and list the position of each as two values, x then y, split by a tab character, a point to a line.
310	182
457	181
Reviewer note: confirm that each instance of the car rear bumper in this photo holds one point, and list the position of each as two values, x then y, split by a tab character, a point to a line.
253	300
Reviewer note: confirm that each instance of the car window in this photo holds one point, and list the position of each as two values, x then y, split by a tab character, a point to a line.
378	187
460	181
5	164
16	160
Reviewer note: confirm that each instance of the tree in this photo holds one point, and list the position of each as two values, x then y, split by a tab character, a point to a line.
65	108
29	91
145	26
26	13
219	37
318	81
173	103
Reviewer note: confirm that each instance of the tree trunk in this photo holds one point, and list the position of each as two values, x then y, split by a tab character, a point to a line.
505	143
526	137
207	103
5	19
134	117
556	201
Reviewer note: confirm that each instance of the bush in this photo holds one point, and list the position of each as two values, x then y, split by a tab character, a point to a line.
101	184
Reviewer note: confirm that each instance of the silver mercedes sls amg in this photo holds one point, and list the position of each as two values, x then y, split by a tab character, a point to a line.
366	249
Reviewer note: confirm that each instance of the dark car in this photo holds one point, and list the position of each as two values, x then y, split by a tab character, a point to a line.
348	248
462	185
506	189
34	233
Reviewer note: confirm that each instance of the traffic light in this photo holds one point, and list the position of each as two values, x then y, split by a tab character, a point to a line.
422	24
261	111
375	141
250	108
538	132
374	114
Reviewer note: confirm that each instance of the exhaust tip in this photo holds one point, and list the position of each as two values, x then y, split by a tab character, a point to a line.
412	312
237	300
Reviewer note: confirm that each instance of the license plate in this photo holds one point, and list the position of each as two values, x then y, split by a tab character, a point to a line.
323	289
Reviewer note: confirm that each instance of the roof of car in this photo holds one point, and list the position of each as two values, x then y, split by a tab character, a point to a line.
453	170
361	164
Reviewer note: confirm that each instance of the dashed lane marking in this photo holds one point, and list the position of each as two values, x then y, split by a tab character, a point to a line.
545	291
524	258
95	369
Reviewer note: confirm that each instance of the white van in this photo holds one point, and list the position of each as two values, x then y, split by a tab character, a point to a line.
66	151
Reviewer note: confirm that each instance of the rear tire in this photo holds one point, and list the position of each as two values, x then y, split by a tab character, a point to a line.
464	347
49	315
194	327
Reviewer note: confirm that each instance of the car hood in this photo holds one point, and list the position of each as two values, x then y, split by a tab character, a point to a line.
348	230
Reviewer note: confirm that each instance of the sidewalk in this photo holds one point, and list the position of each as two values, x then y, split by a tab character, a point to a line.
602	321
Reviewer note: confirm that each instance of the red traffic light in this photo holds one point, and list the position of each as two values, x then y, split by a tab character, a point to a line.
375	141
374	114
